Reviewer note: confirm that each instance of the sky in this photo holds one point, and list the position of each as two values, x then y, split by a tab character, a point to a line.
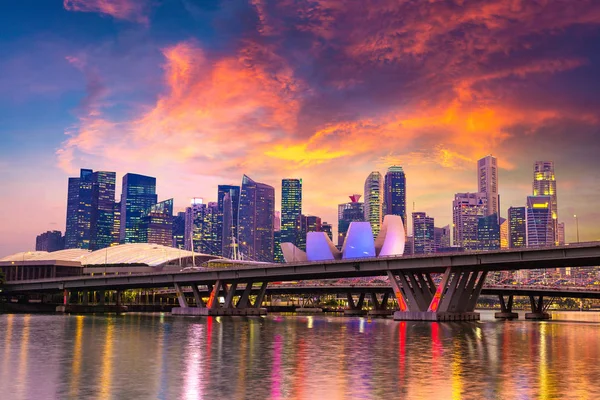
198	93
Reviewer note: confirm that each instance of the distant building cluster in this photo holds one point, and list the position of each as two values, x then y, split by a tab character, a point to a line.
243	224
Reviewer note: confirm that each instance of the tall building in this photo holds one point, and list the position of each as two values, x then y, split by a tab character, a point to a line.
442	237
488	233
157	224
503	233
201	227
307	223
90	210
467	209
423	233
539	221
277	252
257	206
72	207
488	183
544	184
328	229
179	230
374	201
517	227
394	188
50	241
137	196
103	209
561	233
228	199
347	213
116	231
291	210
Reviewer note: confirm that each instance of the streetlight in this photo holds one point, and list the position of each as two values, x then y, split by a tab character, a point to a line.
576	226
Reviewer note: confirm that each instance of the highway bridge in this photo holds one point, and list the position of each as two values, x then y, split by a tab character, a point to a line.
418	296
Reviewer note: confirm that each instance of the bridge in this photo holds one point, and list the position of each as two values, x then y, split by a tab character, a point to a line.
417	294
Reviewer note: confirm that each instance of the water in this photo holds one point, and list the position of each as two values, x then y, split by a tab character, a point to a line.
156	356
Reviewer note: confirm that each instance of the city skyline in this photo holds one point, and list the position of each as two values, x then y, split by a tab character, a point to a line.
145	90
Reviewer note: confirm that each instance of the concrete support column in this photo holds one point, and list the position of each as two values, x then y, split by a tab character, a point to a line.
118	297
230	295
506	311
538	310
261	295
397	292
199	302
213	300
180	296
476	292
102	297
65	297
85	298
244	300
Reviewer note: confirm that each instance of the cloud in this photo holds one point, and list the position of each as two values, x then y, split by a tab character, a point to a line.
129	10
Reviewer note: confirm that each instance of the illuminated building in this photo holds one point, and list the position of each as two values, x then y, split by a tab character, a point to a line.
90	210
442	237
138	194
277	253
307	223
539	221
503	233
374	201
228	199
347	213
544	184
488	183
328	229
116	231
102	210
488	233
467	209
201	226
561	233
50	241
257	206
157	224
394	188
291	210
179	230
72	207
517	227
423	233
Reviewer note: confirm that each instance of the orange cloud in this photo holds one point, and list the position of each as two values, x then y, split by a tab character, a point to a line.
130	10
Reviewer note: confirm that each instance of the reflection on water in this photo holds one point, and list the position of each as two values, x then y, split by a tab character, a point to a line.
296	357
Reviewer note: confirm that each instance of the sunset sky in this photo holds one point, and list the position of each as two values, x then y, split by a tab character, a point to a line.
198	93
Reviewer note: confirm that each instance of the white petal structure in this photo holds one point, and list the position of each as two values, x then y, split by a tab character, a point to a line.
392	238
359	241
291	253
319	247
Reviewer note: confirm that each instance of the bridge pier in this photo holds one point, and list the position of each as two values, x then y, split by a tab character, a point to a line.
355	308
212	307
506	311
380	309
538	308
453	300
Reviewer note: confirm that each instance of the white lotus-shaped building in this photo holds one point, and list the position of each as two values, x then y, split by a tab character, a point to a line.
359	243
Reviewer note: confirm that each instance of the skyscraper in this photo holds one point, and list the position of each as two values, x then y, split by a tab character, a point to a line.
291	209
423	233
328	229
157	224
50	241
102	211
257	206
488	233
307	223
488	184
503	233
394	188
72	207
179	230
374	201
228	199
90	210
467	209
517	227
539	221
201	226
347	213
116	231
544	184
137	196
442	238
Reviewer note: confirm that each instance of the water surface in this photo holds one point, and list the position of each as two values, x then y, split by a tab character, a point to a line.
156	356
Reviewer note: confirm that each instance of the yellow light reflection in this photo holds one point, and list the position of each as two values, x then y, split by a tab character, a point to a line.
76	365
106	373
8	329
457	383
22	370
543	370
